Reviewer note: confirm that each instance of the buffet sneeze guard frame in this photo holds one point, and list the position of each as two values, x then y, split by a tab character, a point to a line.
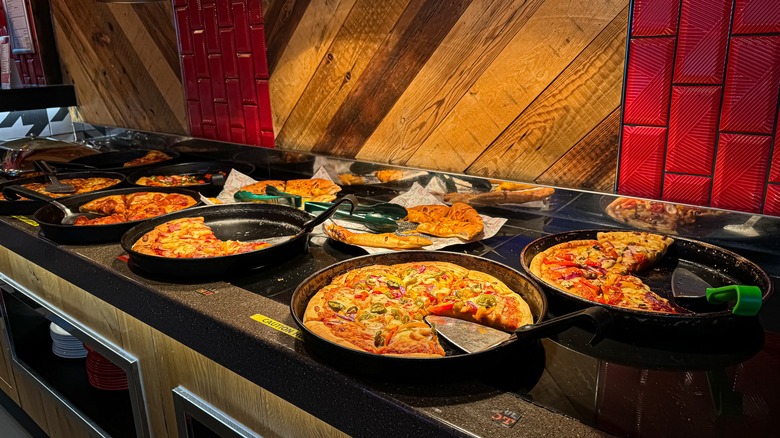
9	289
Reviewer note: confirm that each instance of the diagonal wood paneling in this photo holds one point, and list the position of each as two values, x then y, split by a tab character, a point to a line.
123	61
512	89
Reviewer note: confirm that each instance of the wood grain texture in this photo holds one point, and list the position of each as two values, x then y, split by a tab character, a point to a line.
548	128
124	63
7	384
164	364
430	85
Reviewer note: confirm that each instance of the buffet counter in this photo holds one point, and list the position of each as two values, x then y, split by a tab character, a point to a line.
234	344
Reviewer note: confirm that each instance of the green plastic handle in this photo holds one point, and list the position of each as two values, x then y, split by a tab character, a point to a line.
748	298
244	196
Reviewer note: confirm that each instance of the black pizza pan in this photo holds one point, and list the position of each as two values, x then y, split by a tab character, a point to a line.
29	206
50	217
716	265
114	161
286	228
506	356
211	188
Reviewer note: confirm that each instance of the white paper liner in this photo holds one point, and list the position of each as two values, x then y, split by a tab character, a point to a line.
236	180
417	195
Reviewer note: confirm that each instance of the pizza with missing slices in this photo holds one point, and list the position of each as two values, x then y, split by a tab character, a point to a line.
82	185
602	269
132	207
177	180
380	308
655	215
190	238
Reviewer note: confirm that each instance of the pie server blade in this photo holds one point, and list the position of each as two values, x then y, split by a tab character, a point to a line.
747	299
468	336
686	284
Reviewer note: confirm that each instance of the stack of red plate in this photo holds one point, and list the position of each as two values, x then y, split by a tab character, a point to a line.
103	374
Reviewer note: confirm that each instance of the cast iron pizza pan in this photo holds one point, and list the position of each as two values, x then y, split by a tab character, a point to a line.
455	362
50	217
285	227
114	161
31	205
211	188
717	266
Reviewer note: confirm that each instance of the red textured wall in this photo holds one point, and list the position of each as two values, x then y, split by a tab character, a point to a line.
701	104
225	70
28	65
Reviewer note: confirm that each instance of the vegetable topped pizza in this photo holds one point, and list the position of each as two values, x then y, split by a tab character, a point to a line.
177	180
655	215
602	269
380	308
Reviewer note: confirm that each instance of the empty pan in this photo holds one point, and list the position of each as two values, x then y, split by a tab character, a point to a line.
286	228
49	217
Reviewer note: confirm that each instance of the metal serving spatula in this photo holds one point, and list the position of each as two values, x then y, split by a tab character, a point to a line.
473	338
687	284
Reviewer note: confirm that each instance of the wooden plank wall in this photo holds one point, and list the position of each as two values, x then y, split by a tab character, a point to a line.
124	62
524	89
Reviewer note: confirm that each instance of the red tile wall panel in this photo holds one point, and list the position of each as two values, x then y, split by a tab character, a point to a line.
752	83
655	17
688	189
641	161
756	16
693	129
701	41
724	102
648	81
225	70
772	204
740	172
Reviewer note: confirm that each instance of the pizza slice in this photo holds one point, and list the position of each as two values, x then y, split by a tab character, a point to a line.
258	188
461	220
379	240
106	205
637	249
153	156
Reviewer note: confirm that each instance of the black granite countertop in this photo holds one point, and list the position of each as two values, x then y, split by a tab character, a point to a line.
562	388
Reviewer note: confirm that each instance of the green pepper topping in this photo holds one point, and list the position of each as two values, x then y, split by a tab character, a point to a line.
418	317
486	301
393	284
335	305
378	308
405	319
396	314
352	309
364	315
379	340
419	303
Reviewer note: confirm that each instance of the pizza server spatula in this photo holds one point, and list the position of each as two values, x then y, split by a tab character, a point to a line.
473	338
687	284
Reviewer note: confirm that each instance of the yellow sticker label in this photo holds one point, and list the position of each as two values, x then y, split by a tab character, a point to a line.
26	220
276	325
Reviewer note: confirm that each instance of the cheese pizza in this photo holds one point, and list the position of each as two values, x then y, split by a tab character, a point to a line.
82	185
150	157
460	220
132	207
380	308
310	190
190	238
